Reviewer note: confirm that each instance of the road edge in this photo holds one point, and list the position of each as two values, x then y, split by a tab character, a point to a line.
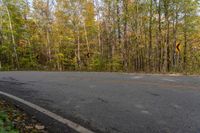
74	126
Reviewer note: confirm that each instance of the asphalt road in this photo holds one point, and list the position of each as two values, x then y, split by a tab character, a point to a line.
113	102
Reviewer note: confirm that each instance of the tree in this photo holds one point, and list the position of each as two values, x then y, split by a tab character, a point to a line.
100	35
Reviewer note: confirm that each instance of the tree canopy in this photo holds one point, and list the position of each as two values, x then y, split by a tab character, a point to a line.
100	35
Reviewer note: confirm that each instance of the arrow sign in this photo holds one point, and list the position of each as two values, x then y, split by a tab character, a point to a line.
178	47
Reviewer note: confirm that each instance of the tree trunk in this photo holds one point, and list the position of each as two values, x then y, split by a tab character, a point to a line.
167	52
125	6
175	38
118	23
159	36
185	44
13	39
150	35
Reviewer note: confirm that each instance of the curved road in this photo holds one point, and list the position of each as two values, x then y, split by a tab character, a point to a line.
113	102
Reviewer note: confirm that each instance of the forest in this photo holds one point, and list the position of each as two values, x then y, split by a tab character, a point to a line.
157	36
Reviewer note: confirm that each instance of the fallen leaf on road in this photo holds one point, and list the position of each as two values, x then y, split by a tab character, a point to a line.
29	127
39	127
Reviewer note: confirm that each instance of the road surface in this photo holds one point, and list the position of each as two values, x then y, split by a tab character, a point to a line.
113	102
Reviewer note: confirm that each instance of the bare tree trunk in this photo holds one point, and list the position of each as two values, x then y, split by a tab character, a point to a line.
118	23
159	35
86	38
99	28
77	52
79	58
168	43
48	45
125	6
48	31
185	45
175	38
1	32
28	39
150	35
13	37
166	60
159	40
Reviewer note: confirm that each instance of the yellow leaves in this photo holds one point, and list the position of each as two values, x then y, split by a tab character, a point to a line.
60	55
89	14
22	43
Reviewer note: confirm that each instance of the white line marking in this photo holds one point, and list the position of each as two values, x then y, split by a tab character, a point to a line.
67	122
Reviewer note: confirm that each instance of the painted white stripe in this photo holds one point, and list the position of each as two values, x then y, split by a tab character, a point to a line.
67	122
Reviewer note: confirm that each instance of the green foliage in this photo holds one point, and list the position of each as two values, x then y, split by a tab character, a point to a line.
96	63
6	125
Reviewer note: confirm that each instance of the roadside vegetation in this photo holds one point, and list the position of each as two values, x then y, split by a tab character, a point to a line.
159	36
13	120
6	125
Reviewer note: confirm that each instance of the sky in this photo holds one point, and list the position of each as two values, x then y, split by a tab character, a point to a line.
30	1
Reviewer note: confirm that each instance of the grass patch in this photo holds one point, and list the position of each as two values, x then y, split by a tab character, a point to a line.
6	126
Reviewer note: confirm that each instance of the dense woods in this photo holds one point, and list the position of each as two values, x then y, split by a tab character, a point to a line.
100	35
